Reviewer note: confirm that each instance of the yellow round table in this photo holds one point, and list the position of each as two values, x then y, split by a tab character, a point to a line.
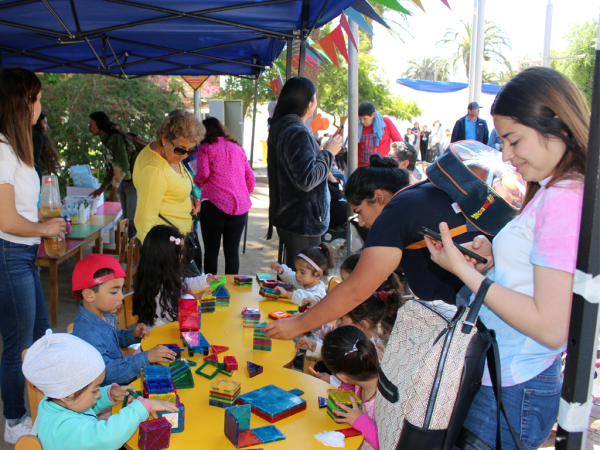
204	424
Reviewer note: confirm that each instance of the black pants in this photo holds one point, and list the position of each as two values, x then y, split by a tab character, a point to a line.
294	243
215	223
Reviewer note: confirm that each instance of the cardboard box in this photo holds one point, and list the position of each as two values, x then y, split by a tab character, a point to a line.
85	192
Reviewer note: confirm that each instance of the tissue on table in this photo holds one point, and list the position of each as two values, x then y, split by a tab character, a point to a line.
331	439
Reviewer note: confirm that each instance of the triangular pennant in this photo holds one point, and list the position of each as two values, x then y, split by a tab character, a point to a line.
358	19
296	61
281	65
312	60
219	348
445	2
420	5
393	4
278	83
326	43
212	357
363	7
221	292
338	38
275	86
315	53
346	26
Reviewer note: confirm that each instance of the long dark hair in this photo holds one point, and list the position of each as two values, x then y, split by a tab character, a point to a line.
550	103
296	95
160	273
382	173
19	89
322	256
50	157
104	123
215	129
349	351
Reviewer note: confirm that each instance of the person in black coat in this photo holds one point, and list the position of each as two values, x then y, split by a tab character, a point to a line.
471	126
297	169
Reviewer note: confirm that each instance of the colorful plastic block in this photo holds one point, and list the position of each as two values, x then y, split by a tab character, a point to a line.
268	293
250	317
297	392
135	394
230	363
212	357
215	284
155	372
240	437
224	393
260	277
287	287
191	363
208	303
270	283
350	432
342	397
212	369
254	369
267	434
272	403
158	386
177	420
261	341
195	342
154	434
242	281
188	303
175	348
322	402
181	374
219	348
221	293
189	320
279	315
303	308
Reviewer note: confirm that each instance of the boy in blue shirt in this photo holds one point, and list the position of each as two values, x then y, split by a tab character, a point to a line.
98	281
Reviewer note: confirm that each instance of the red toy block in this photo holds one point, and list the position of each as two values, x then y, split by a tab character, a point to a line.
219	348
189	320
212	357
188	304
154	434
270	283
230	363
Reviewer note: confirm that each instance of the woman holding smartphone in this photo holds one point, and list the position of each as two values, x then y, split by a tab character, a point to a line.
543	121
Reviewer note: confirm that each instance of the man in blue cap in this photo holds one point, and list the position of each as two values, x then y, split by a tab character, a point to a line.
471	126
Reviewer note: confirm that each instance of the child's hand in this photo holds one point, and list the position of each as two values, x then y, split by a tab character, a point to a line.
211	278
140	331
118	393
282	292
160	353
320	375
161	405
350	414
306	343
310	301
277	267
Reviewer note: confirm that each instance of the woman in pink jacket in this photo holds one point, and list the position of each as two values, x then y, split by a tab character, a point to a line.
226	180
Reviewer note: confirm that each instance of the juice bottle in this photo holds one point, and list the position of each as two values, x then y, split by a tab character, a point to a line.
51	206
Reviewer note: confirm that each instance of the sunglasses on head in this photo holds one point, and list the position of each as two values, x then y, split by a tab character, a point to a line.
182	151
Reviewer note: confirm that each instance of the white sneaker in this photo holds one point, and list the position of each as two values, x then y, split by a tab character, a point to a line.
12	434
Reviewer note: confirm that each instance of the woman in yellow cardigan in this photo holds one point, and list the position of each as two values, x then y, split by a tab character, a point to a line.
162	182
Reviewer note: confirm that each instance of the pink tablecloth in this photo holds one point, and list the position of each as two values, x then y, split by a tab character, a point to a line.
109	209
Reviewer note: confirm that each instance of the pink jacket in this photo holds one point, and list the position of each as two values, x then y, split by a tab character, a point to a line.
225	176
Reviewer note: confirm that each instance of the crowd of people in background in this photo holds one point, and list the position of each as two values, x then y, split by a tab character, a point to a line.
540	127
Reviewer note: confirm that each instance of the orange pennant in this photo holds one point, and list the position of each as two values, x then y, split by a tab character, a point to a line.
326	43
338	38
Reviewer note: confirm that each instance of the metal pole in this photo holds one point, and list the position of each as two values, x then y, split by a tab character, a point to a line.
576	399
251	151
479	51
197	104
301	63
547	35
288	68
473	53
352	119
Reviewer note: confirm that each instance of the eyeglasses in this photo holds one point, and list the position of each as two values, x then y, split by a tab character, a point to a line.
182	151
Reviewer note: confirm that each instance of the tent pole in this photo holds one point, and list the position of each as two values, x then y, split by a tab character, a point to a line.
547	35
197	104
479	51
251	150
576	398
289	59
352	119
473	53
302	58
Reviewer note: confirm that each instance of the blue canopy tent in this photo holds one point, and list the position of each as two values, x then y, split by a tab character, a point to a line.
136	38
445	86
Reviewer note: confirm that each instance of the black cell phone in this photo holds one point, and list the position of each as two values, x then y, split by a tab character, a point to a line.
433	235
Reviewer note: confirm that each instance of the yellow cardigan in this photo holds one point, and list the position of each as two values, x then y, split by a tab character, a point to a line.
160	190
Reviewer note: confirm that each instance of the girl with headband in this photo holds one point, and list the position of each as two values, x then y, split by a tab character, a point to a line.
312	264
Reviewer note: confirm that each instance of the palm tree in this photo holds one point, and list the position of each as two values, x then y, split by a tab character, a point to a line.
426	69
494	41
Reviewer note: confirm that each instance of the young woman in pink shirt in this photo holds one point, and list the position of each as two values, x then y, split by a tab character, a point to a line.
226	180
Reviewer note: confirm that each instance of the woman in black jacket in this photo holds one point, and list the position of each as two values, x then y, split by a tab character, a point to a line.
297	168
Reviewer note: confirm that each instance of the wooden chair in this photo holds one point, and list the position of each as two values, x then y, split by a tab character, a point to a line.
28	442
131	264
35	395
70	328
333	282
121	240
125	318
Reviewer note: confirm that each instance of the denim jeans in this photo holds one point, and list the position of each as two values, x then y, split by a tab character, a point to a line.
532	409
23	319
128	198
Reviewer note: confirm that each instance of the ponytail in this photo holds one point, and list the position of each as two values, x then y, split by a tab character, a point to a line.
322	256
347	350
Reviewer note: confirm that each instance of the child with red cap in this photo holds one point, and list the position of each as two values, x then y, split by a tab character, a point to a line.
98	281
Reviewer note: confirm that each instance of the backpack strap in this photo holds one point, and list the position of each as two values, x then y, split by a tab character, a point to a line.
453	232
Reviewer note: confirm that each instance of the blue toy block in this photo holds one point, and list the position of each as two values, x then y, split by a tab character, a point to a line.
322	402
267	434
195	342
242	414
177	419
221	292
151	372
296	391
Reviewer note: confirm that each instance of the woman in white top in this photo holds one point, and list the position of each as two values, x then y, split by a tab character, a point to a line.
23	316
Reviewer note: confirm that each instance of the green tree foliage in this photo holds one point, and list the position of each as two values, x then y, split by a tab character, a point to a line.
138	105
581	70
426	69
495	41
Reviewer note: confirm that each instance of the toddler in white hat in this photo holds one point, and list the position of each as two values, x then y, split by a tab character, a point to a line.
69	372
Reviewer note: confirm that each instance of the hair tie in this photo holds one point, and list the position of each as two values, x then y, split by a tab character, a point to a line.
353	349
383	295
176	240
310	261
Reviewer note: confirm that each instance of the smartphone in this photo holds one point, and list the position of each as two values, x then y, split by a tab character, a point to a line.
433	235
339	130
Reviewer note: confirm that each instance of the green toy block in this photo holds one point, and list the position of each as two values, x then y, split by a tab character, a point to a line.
216	284
218	368
181	374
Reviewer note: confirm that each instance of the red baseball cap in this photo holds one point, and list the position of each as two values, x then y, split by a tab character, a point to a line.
83	274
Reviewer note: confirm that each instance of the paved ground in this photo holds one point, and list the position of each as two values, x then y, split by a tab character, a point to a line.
258	258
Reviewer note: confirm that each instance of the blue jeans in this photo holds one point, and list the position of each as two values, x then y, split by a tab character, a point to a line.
23	319
532	409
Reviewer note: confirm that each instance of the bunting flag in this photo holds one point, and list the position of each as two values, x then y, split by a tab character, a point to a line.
315	54
281	65
346	26
393	4
358	19
296	62
276	85
363	7
420	5
312	60
328	46
338	39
